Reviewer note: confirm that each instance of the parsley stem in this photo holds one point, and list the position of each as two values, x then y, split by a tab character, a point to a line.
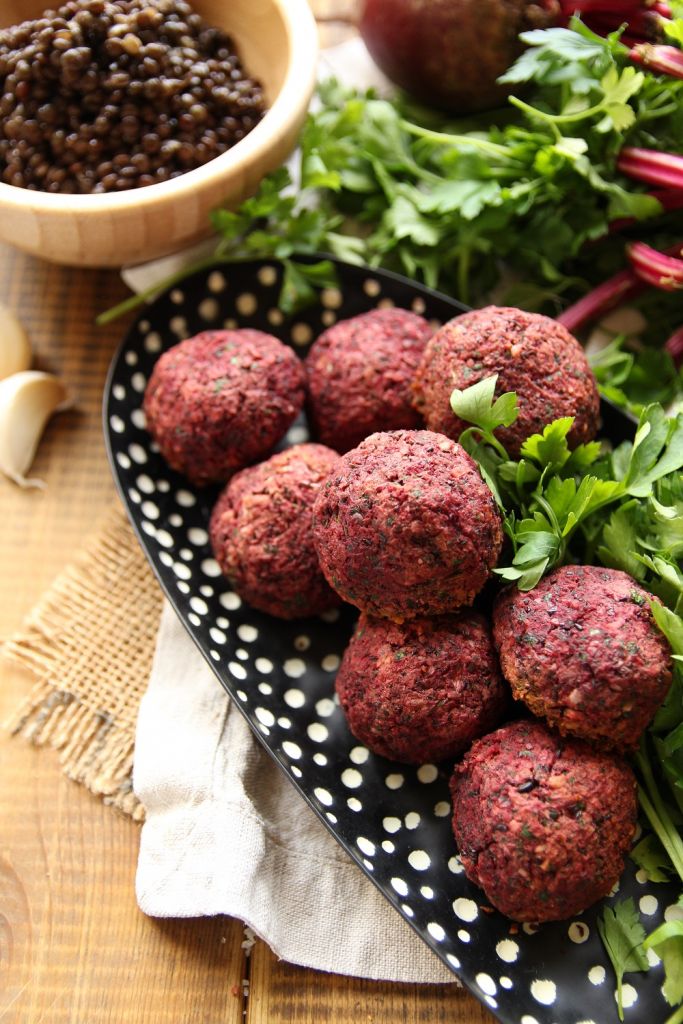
218	258
446	139
530	111
555	119
464	273
676	1017
133	301
620	995
657	813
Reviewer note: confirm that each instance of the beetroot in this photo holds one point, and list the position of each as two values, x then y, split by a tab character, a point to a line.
449	53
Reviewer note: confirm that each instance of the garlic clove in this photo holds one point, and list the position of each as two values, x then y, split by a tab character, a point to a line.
15	348
27	400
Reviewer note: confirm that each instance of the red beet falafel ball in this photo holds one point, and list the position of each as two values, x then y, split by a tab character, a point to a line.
360	374
421	691
261	534
533	355
583	651
405	526
222	400
542	823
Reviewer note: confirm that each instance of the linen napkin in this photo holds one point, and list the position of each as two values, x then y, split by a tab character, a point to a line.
225	831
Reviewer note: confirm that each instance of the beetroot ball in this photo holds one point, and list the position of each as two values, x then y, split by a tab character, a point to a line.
421	691
261	535
221	400
360	374
583	651
542	823
405	526
533	355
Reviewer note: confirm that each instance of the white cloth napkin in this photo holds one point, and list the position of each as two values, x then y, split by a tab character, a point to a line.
225	832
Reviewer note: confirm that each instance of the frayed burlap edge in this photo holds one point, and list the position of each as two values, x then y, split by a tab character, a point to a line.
90	642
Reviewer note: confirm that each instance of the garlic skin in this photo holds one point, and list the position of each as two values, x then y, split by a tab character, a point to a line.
15	348
27	401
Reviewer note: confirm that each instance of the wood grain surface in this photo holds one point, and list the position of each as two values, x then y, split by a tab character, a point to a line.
74	949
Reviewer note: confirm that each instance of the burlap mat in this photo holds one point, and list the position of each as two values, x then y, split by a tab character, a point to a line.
90	642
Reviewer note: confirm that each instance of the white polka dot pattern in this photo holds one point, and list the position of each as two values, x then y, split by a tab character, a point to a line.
393	819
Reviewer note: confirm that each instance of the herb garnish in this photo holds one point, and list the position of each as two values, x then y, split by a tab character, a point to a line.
623	936
622	508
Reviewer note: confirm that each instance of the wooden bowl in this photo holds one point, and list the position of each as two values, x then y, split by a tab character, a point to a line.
277	40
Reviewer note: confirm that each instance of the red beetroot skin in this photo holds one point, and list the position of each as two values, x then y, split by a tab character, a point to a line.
405	526
360	373
421	691
533	355
449	53
582	650
222	400
261	535
542	823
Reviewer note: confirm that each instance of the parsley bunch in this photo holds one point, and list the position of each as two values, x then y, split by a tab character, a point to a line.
623	508
516	206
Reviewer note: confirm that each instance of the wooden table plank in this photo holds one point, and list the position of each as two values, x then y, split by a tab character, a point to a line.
74	949
280	992
73	946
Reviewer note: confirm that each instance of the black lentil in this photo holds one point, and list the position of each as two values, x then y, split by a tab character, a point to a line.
100	96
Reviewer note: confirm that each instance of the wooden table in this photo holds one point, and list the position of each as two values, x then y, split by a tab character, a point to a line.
74	949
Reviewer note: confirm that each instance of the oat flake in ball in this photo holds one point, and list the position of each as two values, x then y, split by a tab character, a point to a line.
360	373
583	651
405	526
222	400
533	356
261	533
424	690
542	823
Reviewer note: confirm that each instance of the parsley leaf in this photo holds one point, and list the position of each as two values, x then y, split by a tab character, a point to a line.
650	855
657	451
622	935
476	405
620	536
667	943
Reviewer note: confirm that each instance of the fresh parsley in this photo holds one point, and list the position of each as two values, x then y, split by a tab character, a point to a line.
520	200
621	508
667	942
623	936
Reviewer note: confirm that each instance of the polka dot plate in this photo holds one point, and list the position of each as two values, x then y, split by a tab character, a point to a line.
393	820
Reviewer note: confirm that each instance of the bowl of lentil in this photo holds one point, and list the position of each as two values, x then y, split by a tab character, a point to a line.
124	123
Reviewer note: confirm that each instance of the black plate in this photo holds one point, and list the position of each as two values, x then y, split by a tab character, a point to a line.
392	819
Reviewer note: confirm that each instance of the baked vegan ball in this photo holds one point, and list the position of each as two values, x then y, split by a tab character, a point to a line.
533	355
542	823
260	532
360	373
405	526
222	400
583	651
421	691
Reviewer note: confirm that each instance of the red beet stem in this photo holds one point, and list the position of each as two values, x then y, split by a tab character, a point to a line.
620	7
662	9
646	25
668	60
649	165
670	199
656	268
674	346
624	285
